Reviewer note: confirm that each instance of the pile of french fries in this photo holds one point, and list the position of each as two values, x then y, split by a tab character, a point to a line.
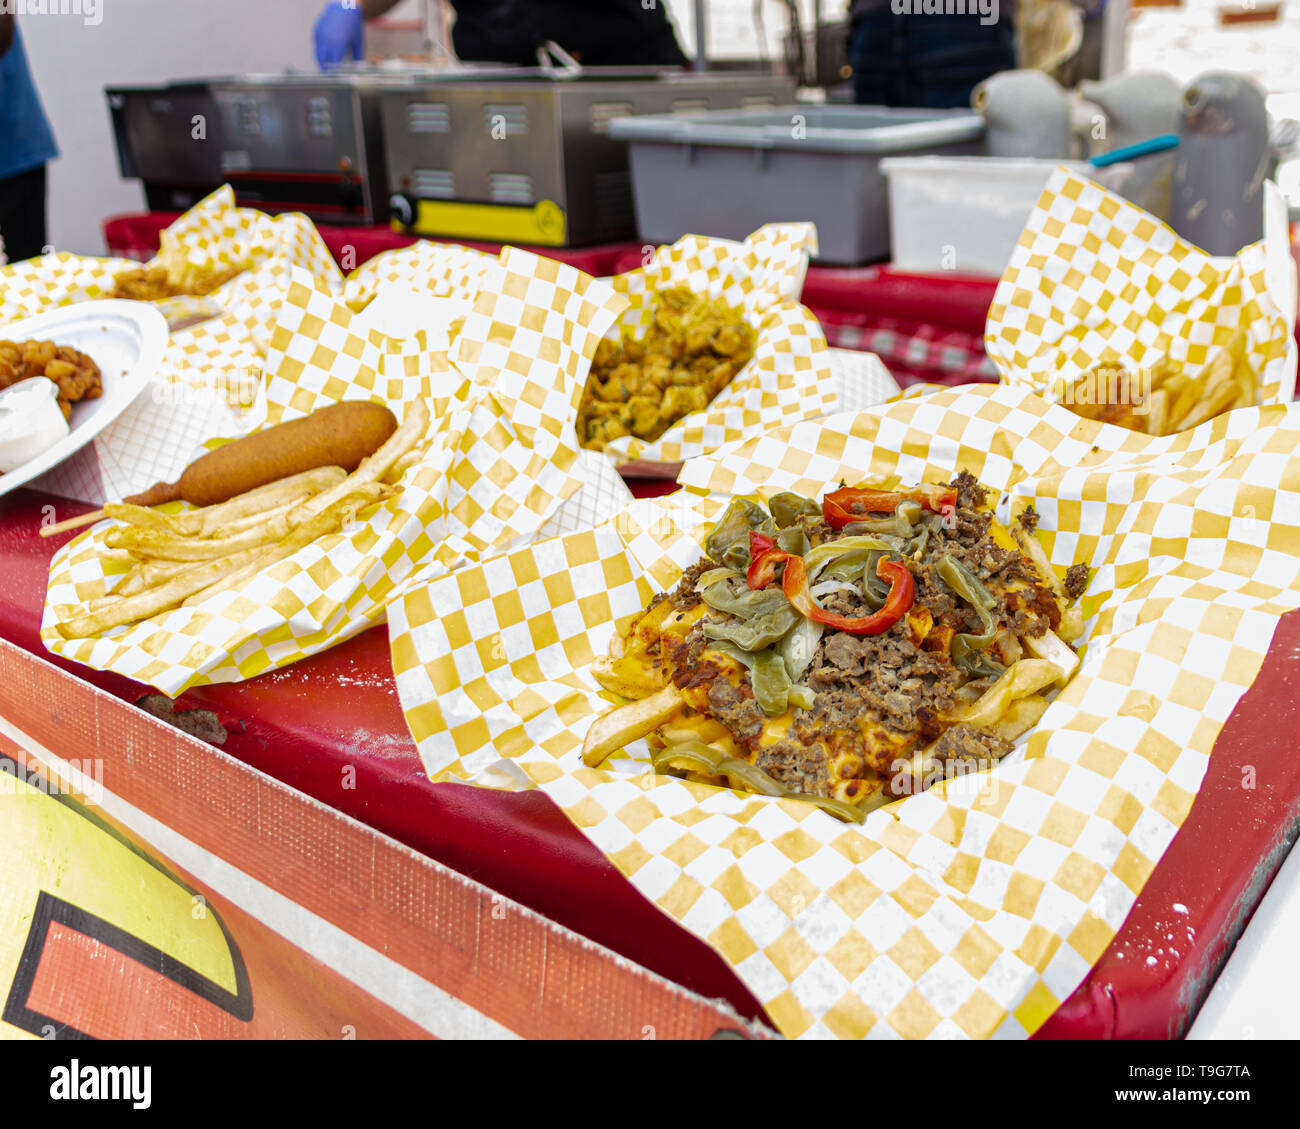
182	559
1167	397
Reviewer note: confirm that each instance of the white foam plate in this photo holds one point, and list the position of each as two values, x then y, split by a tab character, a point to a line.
125	339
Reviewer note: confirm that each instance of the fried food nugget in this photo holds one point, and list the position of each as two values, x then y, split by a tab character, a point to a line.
152	284
692	350
75	375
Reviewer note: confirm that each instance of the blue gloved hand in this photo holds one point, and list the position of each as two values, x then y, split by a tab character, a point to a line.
340	32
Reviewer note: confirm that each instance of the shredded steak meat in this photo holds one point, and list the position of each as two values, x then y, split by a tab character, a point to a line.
1076	580
967	744
686	597
739	713
866	683
800	768
970	494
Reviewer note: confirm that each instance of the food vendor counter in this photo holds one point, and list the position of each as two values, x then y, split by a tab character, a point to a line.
308	724
926	328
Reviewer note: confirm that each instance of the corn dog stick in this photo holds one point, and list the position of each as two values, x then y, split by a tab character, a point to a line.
71	523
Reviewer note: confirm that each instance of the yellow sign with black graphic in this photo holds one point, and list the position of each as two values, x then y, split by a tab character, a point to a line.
84	912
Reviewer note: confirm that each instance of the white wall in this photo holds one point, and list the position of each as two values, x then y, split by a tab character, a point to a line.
732	30
141	41
138	42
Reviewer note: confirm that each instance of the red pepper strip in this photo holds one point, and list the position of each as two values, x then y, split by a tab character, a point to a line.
764	556
902	593
850	503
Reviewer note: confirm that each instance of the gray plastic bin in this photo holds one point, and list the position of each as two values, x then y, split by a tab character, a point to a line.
728	172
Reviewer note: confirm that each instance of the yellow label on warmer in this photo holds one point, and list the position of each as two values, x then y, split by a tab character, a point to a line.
543	223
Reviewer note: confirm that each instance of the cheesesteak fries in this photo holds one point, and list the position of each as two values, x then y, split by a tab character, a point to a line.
847	653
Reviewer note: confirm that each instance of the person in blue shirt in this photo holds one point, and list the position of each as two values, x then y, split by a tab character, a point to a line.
26	145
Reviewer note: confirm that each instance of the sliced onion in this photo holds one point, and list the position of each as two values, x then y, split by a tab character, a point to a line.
797	648
828	586
803	697
713	576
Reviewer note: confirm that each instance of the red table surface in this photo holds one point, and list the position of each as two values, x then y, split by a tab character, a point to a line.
309	724
135	236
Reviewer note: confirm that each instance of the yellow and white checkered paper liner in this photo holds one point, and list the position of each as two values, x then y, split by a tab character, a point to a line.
444	270
787	379
498	461
1096	280
214	234
971	909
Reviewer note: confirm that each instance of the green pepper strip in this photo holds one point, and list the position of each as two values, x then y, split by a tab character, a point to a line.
767	675
756	633
695	756
727	544
831	553
968	650
787	508
720	597
899	525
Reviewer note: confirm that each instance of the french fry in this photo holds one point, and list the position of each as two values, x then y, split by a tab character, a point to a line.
1031	548
1051	648
157	545
147	574
706	730
1156	418
1216	400
239	525
212	519
1182	395
408	434
143	516
1161	373
626	724
152	601
399	468
629	680
1071	625
1022	716
303	534
1020	680
1243	372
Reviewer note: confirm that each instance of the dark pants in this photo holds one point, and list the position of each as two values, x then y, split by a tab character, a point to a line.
22	214
933	61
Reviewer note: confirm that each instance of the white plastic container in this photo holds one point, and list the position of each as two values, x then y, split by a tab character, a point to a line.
31	421
965	214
